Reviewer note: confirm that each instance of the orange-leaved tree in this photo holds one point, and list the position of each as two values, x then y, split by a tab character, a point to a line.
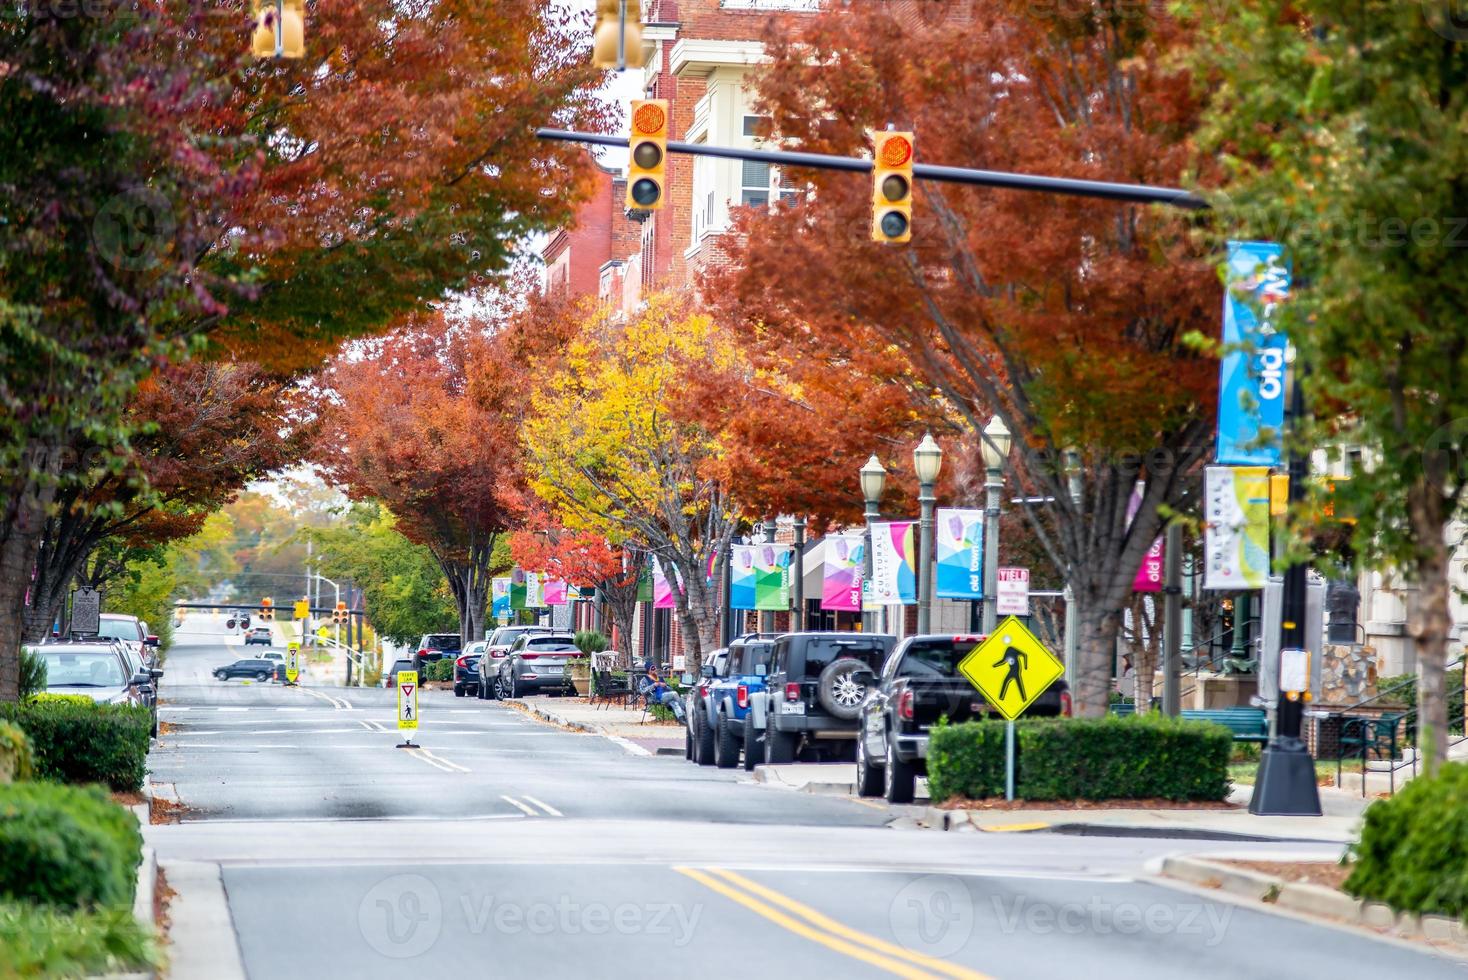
1066	317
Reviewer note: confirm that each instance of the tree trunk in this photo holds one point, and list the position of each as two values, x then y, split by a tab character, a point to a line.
23	507
1430	622
698	611
1090	689
1143	643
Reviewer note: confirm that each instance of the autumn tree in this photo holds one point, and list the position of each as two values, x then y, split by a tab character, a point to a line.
202	430
400	426
609	454
585	558
1064	317
1345	130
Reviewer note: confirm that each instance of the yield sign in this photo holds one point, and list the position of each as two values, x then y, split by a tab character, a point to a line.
407	699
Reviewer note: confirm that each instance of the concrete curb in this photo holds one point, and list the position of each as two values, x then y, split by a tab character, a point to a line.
200	916
1446	934
550	716
143	894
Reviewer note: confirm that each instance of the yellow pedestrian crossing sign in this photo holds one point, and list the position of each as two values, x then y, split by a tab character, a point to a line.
1011	668
303	609
292	661
407	684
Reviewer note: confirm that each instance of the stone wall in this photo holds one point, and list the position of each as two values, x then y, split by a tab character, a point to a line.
1348	674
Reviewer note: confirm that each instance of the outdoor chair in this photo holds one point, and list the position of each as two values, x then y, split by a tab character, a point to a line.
606	688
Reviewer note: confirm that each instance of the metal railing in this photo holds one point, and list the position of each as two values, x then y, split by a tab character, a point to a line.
1364	732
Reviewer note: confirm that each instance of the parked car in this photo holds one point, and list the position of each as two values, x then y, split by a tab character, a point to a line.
102	670
389	678
129	630
257	669
148	689
536	662
816	684
496	649
920	684
434	647
262	635
732	729
466	669
698	736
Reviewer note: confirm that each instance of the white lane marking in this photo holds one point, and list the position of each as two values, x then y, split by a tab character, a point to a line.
432	760
544	806
292	709
231	709
631	747
336	703
519	806
174	707
453	766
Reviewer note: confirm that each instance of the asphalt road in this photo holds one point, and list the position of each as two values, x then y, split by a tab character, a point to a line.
509	848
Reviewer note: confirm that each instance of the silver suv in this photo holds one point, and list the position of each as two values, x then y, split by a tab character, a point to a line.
536	662
496	652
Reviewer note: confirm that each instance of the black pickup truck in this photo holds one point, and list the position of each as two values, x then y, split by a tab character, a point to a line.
919	684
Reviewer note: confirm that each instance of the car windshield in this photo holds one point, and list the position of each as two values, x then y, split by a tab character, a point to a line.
822	651
755	655
74	669
262	630
476	647
118	629
440	641
934	658
543	643
506	635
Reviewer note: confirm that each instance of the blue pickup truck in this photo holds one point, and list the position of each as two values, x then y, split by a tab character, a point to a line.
730	697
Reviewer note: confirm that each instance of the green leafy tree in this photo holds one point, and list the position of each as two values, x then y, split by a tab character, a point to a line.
1345	125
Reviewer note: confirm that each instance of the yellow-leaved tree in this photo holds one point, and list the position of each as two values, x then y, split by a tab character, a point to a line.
613	449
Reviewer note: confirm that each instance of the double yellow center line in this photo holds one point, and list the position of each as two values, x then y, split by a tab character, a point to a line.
806	922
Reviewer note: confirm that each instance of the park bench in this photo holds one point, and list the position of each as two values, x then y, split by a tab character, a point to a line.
1247	724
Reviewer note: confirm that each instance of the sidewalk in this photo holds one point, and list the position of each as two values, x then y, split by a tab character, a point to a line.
1338	824
610	720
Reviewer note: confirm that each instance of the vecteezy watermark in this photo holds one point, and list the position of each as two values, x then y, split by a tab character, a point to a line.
132	230
1098	917
574	917
933	915
401	917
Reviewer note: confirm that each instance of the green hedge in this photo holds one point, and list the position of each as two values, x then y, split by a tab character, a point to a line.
439	670
17	761
67	846
1413	852
1146	757
36	941
85	742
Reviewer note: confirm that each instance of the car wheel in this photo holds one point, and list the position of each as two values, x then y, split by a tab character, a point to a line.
688	742
753	750
898	778
726	745
219	675
262	677
840	688
704	750
868	778
458	690
779	747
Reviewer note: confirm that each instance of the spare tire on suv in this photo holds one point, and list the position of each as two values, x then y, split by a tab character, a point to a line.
841	688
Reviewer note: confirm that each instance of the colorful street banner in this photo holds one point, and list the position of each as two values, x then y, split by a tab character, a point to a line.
534	590
1251	381
662	590
894	563
741	576
1236	532
518	588
644	584
499	598
555	592
958	551
841	572
1149	573
772	576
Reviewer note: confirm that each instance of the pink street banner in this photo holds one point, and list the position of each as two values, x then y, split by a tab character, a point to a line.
1149	575
555	592
842	573
662	589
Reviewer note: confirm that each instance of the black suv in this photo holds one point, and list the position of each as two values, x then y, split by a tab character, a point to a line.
817	682
260	670
920	684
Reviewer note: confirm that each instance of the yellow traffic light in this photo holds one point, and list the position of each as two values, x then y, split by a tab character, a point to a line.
891	187
339	614
266	612
609	30
648	162
280	26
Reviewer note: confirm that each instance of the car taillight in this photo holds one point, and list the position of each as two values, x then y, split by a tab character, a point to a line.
529	656
743	696
904	705
1065	703
460	662
792	691
422	653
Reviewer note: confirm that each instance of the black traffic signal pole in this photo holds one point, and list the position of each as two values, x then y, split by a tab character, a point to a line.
1286	781
1136	193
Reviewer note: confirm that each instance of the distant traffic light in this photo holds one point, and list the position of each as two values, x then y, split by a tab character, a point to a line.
280	29
648	146
339	614
891	187
267	613
610	28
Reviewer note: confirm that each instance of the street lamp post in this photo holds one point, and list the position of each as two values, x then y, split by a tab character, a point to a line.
996	450
797	584
927	458
873	479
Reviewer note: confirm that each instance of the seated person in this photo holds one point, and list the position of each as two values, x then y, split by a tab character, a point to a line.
656	692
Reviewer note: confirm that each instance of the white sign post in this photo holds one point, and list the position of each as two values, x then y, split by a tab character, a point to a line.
1012	596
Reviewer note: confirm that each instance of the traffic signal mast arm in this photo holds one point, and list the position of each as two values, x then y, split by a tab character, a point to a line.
1136	193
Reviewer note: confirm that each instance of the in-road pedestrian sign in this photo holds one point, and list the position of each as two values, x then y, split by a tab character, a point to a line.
292	661
1011	668
407	681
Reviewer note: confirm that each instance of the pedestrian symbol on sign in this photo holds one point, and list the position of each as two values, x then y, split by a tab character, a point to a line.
407	681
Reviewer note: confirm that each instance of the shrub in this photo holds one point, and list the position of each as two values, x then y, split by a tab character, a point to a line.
48	697
591	641
32	673
439	670
1413	852
85	742
16	758
1144	757
36	941
67	846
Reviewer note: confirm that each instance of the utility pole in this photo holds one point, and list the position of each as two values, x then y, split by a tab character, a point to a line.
1172	620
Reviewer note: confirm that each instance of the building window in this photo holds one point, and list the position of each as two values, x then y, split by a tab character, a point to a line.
754	184
756	126
703	195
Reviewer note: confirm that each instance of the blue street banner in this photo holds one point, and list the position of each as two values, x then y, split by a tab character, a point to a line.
1251	381
959	554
